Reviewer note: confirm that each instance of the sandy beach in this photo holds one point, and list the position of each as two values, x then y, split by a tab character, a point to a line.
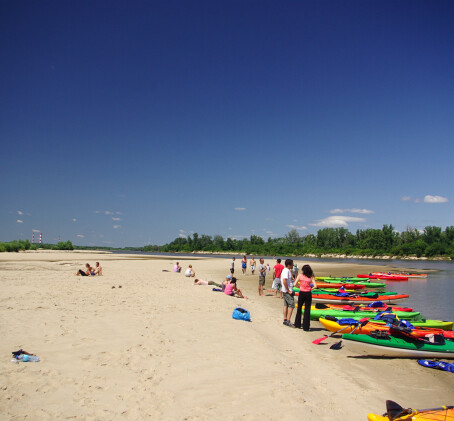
160	348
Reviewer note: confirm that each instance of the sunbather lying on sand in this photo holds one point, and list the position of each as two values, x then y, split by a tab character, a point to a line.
202	282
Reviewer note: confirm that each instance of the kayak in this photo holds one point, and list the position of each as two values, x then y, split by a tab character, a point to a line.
384	276
358	299
428	323
367	284
316	313
338	285
334	326
397	413
339	278
367	308
402	347
408	275
362	293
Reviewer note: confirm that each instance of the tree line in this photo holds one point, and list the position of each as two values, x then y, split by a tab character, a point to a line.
22	245
430	242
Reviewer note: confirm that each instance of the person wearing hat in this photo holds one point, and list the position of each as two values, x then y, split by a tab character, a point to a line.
226	281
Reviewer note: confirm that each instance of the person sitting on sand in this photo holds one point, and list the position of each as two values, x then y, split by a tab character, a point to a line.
88	272
189	272
202	282
232	290
98	270
177	267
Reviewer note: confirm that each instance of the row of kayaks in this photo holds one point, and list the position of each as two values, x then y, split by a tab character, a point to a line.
370	326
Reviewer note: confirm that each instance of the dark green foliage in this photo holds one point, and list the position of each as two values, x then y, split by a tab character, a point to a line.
369	242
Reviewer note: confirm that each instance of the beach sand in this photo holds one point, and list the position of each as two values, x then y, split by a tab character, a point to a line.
160	348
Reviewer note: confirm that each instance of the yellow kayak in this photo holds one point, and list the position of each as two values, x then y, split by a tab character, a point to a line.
397	413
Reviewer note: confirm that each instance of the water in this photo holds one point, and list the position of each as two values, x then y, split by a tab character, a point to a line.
432	296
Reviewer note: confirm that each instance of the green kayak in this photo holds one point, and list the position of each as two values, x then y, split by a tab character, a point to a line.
404	347
367	294
357	281
340	314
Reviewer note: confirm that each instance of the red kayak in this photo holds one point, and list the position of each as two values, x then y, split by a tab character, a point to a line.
384	276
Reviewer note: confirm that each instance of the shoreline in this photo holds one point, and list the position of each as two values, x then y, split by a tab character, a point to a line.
161	348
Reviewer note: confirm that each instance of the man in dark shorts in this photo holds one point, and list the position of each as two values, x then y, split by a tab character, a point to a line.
262	274
287	289
232	266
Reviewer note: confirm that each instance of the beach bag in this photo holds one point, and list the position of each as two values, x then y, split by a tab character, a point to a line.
241	314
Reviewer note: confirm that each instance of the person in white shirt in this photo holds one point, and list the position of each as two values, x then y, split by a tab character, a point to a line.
287	291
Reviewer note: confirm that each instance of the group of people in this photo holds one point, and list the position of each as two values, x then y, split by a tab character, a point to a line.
90	271
305	281
285	277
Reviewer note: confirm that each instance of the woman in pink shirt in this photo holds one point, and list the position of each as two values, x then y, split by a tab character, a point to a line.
306	281
232	290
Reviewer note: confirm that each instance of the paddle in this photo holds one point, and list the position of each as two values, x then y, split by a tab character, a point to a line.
361	322
394	410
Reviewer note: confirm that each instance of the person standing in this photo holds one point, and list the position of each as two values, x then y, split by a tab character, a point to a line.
277	270
307	284
262	274
287	290
244	265
232	266
252	264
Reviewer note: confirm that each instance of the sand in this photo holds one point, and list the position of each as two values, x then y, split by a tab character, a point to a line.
160	348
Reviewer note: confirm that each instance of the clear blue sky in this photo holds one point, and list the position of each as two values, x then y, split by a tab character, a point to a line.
131	123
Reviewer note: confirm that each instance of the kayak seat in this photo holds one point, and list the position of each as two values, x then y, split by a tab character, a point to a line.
379	334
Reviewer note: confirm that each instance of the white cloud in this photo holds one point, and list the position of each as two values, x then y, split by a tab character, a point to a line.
116	226
296	227
181	235
240	209
353	210
19	221
36	230
435	199
116	219
74	219
20	212
336	221
182	231
97	211
108	212
80	235
118	213
405	198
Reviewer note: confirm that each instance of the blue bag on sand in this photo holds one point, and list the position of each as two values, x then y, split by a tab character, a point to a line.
241	314
442	365
217	289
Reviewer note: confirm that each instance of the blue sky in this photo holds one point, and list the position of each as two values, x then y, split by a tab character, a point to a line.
132	123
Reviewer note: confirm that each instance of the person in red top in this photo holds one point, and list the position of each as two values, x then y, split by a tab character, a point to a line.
277	270
306	282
